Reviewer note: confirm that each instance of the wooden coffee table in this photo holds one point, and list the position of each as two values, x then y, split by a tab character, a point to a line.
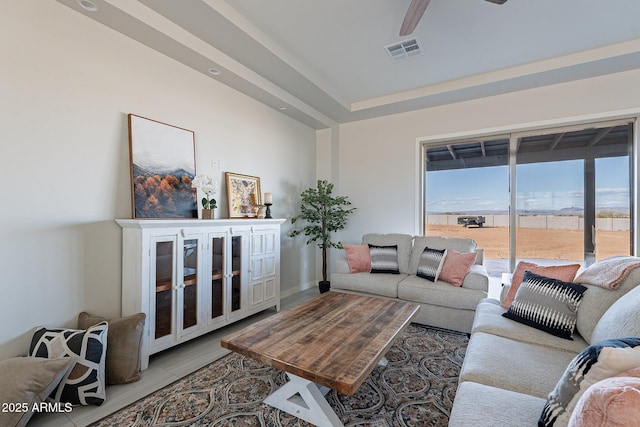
332	341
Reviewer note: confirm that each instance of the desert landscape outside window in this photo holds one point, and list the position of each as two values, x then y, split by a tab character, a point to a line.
571	200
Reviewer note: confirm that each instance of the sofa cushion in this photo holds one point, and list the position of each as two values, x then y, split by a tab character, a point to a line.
28	381
460	244
384	259
479	405
489	319
613	401
385	285
430	264
416	289
594	363
596	302
358	257
403	241
342	266
513	365
477	278
566	273
456	266
621	320
85	383
547	304
124	338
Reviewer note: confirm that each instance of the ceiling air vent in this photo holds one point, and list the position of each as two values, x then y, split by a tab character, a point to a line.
404	49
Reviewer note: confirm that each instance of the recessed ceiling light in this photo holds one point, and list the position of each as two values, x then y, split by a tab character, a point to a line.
214	71
87	5
282	108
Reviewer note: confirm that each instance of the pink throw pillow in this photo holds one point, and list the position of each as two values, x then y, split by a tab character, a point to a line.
611	402
456	266
566	273
358	257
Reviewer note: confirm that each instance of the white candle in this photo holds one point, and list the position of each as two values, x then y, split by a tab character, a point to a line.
267	198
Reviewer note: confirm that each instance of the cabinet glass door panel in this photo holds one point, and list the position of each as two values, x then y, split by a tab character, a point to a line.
217	277
236	269
190	281
163	288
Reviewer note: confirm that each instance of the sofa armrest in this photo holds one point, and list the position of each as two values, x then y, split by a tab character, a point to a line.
342	266
477	278
479	256
503	292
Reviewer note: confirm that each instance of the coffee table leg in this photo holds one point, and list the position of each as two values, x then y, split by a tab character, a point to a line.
304	399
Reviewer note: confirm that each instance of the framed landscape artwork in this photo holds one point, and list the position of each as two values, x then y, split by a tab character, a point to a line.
162	167
243	195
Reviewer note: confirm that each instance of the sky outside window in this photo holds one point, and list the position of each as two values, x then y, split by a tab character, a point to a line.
549	186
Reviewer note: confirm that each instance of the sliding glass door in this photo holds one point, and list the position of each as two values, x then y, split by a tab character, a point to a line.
546	196
467	193
550	200
613	207
573	193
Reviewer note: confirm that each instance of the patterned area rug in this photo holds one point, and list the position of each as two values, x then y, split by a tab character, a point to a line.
416	388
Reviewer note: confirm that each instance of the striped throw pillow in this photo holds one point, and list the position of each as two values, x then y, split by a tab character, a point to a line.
547	304
384	259
430	264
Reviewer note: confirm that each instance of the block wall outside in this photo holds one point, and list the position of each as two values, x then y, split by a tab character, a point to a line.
551	222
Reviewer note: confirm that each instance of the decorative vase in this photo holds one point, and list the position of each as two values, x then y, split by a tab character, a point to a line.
208	213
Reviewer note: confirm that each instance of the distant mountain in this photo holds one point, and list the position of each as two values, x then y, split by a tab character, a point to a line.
622	211
149	171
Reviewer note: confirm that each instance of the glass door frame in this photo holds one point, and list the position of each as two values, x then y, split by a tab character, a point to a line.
514	138
589	186
181	287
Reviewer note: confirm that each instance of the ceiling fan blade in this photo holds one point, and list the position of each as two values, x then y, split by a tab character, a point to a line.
413	16
498	1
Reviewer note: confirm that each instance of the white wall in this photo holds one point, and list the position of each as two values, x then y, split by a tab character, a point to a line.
379	158
67	84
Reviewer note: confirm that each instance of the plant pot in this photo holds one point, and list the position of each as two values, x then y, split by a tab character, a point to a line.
208	213
324	286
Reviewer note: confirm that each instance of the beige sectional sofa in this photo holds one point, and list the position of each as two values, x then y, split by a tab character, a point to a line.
441	304
509	368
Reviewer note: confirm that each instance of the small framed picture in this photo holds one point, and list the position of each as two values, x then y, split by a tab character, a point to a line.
243	195
162	167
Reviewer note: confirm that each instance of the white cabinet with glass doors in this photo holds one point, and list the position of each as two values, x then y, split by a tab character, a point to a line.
191	277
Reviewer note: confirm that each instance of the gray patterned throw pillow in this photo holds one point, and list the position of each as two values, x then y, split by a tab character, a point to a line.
384	259
547	304
430	264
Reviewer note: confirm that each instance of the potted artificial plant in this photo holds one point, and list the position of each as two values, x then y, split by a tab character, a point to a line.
323	214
